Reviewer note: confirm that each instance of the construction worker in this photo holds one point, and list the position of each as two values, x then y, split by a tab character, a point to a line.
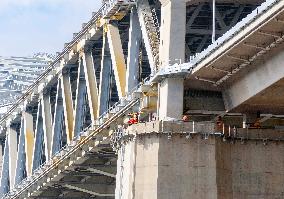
133	119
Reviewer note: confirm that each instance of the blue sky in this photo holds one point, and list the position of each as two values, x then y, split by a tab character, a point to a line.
30	26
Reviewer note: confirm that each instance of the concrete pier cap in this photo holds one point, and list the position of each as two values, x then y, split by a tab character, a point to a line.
166	160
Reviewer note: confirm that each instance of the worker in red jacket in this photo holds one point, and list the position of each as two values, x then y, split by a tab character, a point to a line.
133	119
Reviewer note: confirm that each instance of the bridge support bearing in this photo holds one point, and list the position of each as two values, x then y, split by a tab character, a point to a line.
162	161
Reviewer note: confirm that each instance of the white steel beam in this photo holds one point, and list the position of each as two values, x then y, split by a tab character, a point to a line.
101	172
12	142
47	124
88	191
91	82
219	18
117	57
135	37
29	141
267	117
67	104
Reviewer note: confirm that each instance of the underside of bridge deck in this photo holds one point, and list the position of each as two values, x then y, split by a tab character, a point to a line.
248	75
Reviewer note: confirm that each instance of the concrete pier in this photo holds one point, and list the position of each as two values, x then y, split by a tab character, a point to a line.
164	161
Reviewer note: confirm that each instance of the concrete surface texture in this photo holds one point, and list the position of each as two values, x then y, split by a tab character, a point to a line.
171	167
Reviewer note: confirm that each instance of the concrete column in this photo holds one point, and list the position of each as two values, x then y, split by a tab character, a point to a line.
125	175
172	50
168	169
170	165
173	30
171	99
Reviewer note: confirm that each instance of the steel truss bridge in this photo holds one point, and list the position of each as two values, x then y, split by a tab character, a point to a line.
58	138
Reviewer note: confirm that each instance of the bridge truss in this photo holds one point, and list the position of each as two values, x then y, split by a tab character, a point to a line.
57	137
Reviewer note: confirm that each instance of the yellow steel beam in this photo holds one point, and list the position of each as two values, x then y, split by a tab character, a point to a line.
29	141
91	83
68	105
117	57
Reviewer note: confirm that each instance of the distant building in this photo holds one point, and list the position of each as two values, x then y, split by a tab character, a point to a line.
17	73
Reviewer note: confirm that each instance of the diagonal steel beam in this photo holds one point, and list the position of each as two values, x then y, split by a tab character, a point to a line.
47	123
193	16
117	57
135	38
104	78
80	99
4	186
21	159
39	139
91	82
58	117
101	172
12	142
29	140
88	191
67	104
